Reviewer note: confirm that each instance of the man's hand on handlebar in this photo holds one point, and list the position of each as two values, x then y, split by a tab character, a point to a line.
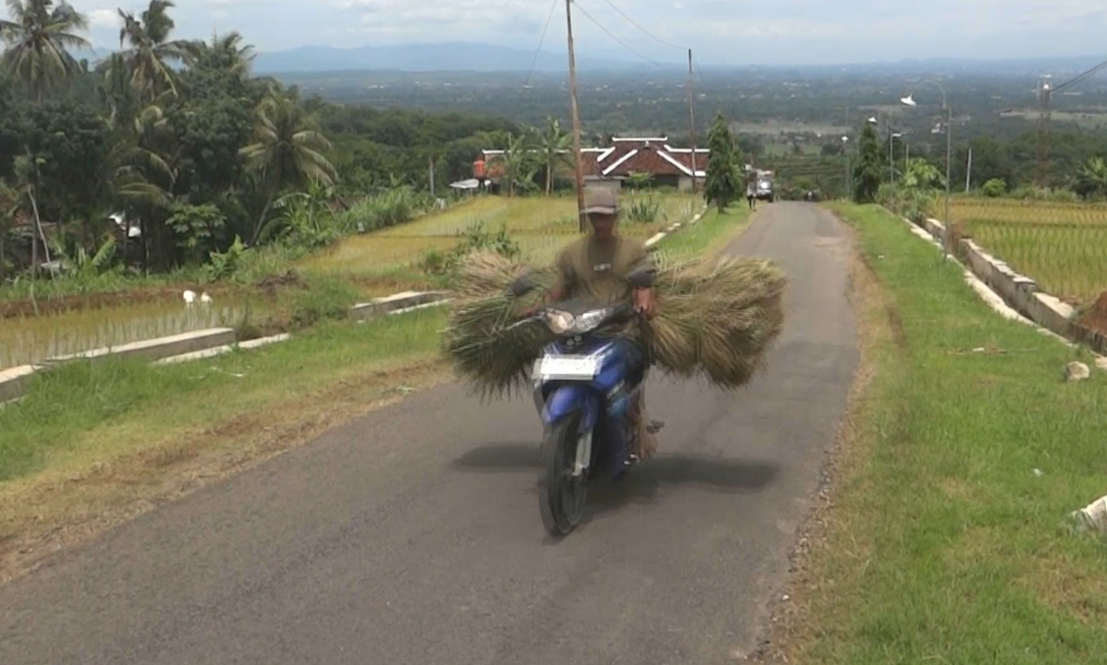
645	303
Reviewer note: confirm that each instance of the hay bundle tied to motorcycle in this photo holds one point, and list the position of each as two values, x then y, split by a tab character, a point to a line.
714	320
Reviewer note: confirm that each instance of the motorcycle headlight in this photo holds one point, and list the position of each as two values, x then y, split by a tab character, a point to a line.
559	322
588	321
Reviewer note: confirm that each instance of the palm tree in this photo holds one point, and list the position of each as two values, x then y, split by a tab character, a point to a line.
288	150
1091	181
555	146
229	51
38	38
151	52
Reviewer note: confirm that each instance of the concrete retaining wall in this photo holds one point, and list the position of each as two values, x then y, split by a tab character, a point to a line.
13	381
674	227
1021	292
155	349
405	300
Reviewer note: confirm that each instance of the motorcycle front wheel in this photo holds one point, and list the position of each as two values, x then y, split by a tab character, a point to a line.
560	494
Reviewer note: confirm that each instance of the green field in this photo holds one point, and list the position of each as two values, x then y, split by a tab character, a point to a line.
1063	246
540	225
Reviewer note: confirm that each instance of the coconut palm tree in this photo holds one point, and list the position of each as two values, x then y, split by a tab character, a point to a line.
228	49
288	150
1091	181
555	146
151	52
38	39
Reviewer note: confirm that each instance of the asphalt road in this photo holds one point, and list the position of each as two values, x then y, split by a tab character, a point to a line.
412	536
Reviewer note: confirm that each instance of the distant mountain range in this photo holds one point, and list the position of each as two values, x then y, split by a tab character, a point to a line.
476	57
449	56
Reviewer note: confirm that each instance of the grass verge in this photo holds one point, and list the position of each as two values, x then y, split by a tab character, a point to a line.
92	444
708	236
945	536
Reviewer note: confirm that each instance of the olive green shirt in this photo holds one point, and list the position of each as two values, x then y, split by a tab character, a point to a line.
596	270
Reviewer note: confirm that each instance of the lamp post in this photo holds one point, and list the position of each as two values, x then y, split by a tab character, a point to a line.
909	100
849	173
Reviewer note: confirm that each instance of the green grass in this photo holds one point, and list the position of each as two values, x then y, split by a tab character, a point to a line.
707	236
70	409
944	544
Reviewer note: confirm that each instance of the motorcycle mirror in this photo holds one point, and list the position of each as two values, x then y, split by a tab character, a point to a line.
523	285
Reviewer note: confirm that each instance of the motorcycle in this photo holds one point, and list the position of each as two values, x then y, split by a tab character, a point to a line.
584	385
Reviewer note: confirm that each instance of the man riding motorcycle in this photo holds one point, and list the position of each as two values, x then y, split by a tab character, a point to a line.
595	268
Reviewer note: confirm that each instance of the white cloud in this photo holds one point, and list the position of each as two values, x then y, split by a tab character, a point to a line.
103	18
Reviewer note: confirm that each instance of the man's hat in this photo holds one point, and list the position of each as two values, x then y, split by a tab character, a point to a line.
601	201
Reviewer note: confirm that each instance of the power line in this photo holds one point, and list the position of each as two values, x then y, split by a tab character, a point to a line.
613	37
541	40
643	30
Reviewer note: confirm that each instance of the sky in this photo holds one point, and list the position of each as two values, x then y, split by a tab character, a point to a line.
725	32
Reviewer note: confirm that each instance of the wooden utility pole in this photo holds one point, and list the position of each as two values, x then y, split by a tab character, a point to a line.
576	117
968	172
691	121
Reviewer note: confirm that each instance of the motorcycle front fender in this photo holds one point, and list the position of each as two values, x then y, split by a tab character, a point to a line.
566	399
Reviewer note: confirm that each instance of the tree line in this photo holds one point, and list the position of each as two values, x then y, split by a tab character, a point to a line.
169	151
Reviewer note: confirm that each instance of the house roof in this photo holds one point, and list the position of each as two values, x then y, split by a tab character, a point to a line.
627	155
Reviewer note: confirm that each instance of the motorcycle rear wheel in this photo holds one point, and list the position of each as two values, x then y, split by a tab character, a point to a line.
561	497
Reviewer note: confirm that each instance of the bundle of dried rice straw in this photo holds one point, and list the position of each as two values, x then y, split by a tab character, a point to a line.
716	320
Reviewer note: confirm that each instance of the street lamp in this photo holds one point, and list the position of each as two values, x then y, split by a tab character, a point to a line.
909	100
849	173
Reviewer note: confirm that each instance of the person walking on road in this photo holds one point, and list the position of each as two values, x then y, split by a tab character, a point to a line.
751	198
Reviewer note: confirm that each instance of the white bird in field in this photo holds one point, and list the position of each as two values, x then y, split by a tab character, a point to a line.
189	297
205	298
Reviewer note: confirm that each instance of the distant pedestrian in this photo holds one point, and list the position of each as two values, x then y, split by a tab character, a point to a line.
751	199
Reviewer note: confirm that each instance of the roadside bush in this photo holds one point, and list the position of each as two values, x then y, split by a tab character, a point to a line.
390	208
1032	193
994	188
439	264
323	299
643	210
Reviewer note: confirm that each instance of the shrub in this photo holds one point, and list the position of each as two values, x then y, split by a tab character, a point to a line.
390	208
324	298
643	210
994	188
474	238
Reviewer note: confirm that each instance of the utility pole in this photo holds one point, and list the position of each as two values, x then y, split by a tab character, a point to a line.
432	174
968	172
576	116
691	121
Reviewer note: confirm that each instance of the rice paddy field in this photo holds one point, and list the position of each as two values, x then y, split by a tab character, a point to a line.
1063	246
31	339
540	225
380	263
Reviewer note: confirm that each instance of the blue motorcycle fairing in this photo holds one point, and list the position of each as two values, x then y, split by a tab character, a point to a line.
612	355
601	401
569	397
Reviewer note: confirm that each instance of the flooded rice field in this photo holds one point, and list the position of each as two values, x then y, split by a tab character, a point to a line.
31	339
